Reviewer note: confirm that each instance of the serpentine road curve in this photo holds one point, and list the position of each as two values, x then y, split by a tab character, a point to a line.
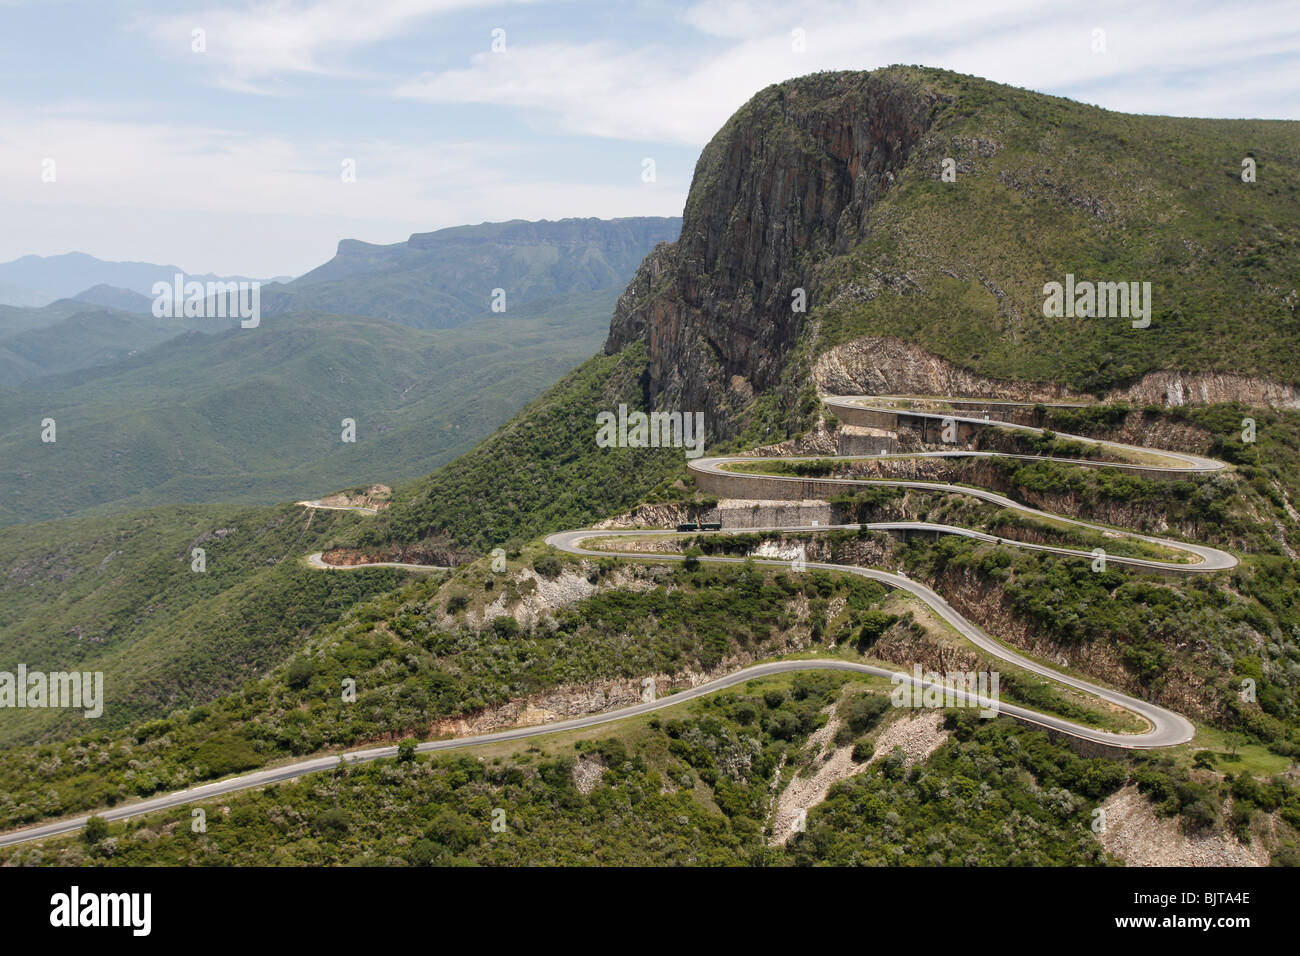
1166	727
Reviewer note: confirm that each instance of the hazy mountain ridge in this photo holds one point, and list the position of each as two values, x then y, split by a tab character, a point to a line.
146	407
40	280
443	279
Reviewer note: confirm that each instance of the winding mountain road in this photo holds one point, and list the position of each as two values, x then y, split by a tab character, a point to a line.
1166	728
317	560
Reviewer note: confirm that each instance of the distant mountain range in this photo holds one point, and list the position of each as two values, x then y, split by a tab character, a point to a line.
41	280
153	410
438	280
114	298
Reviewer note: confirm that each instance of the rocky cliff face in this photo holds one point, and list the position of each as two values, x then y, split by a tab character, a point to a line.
824	184
790	179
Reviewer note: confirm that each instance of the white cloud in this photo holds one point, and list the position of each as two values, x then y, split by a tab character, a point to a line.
250	45
1174	59
152	191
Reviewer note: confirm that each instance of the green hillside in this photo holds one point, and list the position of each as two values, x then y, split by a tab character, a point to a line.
69	335
255	415
241	667
1046	186
119	594
540	472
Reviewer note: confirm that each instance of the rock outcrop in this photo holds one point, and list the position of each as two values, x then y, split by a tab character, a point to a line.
792	177
808	176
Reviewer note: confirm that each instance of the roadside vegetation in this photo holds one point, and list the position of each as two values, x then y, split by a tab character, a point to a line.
690	786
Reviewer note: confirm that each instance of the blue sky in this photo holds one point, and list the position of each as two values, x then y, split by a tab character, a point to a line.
229	159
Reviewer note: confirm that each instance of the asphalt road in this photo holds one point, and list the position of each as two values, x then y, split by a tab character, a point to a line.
290	771
316	560
1165	729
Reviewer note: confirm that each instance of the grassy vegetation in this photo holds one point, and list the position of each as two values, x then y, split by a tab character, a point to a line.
1268	465
1047	186
1220	633
255	415
415	664
689	785
120	595
542	472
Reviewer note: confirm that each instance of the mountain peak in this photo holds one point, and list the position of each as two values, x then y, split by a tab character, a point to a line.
935	208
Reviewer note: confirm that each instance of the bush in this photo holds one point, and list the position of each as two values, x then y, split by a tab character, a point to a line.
1200	814
863	711
874	623
863	751
300	673
223	755
505	627
424	853
96	829
895	765
333	821
547	565
1203	759
783	725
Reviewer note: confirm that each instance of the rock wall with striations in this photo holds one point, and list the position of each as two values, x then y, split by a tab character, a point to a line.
790	178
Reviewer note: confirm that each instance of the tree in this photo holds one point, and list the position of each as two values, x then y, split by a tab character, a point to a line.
547	565
505	627
300	673
1203	759
96	829
406	750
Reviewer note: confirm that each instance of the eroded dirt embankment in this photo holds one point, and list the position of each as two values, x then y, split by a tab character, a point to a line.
548	595
886	366
1134	833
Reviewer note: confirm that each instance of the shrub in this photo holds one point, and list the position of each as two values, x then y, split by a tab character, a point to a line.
874	623
863	711
547	565
332	821
96	829
300	673
505	627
